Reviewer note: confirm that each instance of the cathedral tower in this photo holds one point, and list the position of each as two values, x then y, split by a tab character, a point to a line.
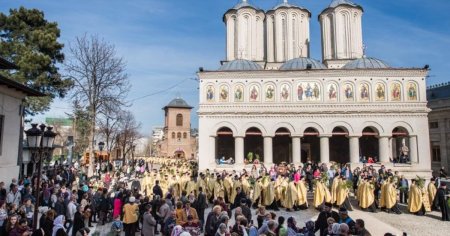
341	33
287	33
245	32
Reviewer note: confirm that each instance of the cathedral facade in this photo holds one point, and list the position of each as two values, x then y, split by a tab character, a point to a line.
270	101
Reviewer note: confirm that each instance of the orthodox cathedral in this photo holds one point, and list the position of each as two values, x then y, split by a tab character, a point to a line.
270	102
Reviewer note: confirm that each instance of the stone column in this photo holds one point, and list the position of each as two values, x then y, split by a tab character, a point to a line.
296	150
25	168
239	150
324	149
268	154
413	149
212	146
383	143
354	149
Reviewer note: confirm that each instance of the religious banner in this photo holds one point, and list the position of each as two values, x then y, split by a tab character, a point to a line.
223	96
210	93
270	93
380	92
285	92
239	93
412	92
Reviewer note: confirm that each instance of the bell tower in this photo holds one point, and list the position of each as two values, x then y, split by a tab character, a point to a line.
341	33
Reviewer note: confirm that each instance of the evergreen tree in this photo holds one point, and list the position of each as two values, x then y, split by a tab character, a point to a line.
31	42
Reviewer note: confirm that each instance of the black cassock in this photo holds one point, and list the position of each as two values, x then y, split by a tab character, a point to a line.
442	202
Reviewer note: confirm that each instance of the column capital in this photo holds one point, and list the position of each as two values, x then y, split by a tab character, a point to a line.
384	136
325	135
267	136
412	135
238	136
354	136
297	136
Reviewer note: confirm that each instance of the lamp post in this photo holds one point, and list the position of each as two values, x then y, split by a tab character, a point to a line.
101	145
40	144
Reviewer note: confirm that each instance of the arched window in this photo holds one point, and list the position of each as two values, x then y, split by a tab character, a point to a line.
173	135
179	135
184	135
179	120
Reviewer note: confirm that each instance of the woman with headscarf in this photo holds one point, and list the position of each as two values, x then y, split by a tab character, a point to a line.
177	230
58	226
117	205
221	231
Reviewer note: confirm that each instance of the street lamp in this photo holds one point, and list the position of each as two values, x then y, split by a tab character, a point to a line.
101	145
40	144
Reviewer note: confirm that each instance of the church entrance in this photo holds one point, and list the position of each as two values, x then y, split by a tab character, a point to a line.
368	144
339	146
310	145
253	145
179	154
225	143
282	146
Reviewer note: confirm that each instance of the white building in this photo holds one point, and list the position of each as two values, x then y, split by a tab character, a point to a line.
12	95
269	99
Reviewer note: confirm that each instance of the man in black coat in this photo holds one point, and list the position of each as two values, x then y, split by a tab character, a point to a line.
157	189
239	195
442	202
246	210
321	223
78	221
201	206
211	221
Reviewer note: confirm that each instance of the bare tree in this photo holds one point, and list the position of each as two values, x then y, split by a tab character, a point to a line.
129	134
99	80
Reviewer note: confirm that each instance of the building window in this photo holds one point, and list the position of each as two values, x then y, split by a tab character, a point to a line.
434	125
2	119
436	154
178	135
173	135
179	120
184	135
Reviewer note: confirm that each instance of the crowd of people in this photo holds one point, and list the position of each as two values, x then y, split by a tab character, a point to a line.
170	197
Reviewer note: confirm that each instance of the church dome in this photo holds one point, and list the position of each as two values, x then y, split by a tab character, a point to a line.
301	63
336	3
240	64
285	4
366	63
243	4
178	103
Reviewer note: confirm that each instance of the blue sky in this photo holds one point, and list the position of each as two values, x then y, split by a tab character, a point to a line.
164	42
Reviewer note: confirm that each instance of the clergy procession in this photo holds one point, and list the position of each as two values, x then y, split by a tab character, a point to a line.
169	196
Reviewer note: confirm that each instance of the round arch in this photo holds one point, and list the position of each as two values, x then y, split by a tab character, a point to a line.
285	125
255	125
224	124
314	125
402	124
374	125
342	124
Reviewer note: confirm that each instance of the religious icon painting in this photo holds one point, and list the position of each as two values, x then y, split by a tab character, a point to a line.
332	92
412	92
380	92
209	93
316	92
300	92
254	93
348	92
364	92
223	96
285	94
270	93
239	93
396	92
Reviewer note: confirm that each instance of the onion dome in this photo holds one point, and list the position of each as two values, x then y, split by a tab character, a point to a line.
302	63
366	63
240	64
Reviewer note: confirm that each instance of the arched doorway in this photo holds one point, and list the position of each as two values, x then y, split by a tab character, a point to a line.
400	145
368	144
179	154
339	146
225	143
310	145
282	146
253	145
